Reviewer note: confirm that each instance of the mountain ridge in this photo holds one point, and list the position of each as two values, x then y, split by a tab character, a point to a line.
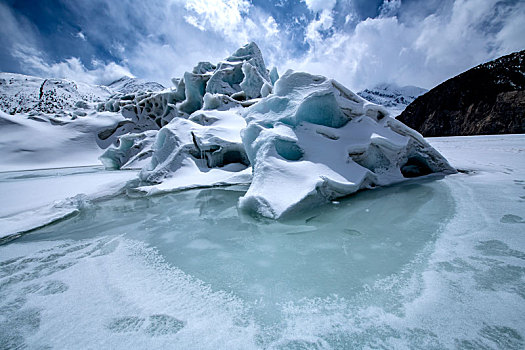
25	93
487	99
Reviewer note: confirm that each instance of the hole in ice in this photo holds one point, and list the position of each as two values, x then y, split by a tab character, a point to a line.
234	156
414	167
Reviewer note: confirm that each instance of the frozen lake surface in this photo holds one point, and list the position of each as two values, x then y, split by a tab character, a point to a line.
427	264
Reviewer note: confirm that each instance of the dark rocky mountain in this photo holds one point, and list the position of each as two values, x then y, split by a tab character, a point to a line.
487	99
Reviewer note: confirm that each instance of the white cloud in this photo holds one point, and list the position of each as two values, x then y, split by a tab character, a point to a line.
72	68
81	35
406	43
270	26
320	5
314	30
390	8
194	22
223	16
511	35
16	30
170	37
421	52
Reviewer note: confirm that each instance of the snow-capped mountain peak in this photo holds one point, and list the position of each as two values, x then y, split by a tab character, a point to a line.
127	85
395	98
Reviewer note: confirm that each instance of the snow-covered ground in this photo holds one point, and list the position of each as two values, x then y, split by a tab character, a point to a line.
97	258
427	264
40	142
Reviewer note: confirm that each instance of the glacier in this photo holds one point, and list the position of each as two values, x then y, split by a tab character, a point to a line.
307	139
298	140
203	150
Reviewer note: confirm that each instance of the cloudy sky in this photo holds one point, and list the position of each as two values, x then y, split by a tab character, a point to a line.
358	42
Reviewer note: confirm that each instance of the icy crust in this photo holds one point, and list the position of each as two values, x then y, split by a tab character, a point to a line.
204	150
31	199
313	140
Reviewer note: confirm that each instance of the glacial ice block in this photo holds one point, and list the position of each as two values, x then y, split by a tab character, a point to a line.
252	54
133	151
204	150
313	140
226	79
243	71
252	82
195	86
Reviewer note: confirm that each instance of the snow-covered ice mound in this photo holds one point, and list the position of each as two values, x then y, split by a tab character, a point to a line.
313	140
305	138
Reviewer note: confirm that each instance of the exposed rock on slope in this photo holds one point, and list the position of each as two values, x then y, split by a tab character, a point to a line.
487	99
25	94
